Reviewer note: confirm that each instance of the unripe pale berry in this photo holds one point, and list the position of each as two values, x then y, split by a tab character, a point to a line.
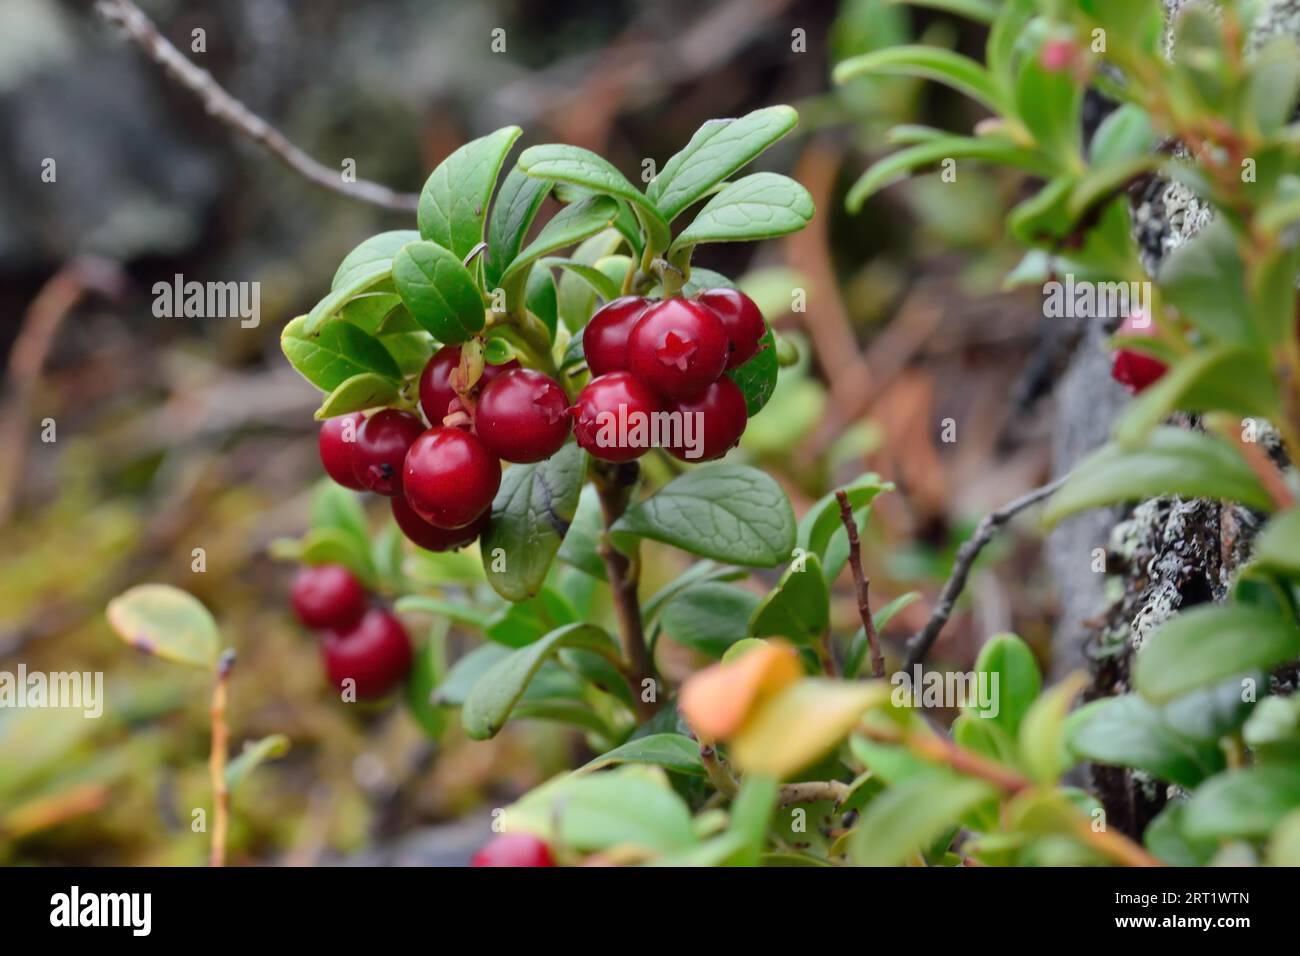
741	320
720	421
337	442
604	338
328	596
678	347
381	448
1135	369
450	479
375	652
514	849
522	416
429	536
436	392
607	412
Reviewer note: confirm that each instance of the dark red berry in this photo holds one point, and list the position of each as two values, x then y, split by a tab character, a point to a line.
716	422
678	347
604	339
429	536
522	416
514	849
328	596
1135	369
381	448
450	478
741	320
376	653
612	418
338	440
436	392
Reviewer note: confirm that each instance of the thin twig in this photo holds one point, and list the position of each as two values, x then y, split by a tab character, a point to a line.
861	583
717	772
224	107
217	762
924	639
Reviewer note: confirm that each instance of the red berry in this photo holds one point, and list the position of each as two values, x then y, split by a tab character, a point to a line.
717	421
514	849
522	416
338	440
604	339
450	478
328	595
1136	369
741	320
678	347
381	448
429	536
613	416
436	392
376	653
1057	55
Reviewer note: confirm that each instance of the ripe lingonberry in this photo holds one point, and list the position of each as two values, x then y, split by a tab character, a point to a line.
436	392
375	652
328	596
522	416
612	416
514	849
741	320
604	339
450	478
337	443
718	422
429	536
1135	369
678	347
381	448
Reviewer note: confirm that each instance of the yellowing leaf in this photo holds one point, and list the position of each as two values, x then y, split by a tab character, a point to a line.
167	622
716	701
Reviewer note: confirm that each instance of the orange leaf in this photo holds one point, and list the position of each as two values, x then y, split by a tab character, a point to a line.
716	701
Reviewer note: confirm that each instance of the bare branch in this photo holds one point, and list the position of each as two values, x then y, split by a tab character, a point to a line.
224	107
924	639
862	584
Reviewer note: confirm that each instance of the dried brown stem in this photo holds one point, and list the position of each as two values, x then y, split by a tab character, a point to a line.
861	583
217	762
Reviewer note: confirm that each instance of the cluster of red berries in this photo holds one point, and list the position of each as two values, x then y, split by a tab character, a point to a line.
648	357
366	644
1136	370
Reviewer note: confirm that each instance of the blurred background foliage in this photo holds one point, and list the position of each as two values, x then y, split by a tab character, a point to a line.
176	434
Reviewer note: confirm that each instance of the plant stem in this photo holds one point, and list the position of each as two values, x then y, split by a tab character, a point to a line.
217	761
718	775
862	585
614	486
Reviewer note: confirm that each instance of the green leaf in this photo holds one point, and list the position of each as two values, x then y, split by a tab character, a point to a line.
858	646
1124	135
1206	645
751	816
333	506
603	285
1218	378
363	278
822	521
629	806
1167	841
757	377
981	11
254	753
726	512
717	150
540	298
1277	548
1270	95
905	819
1129	732
1043	749
708	617
377	250
798	608
1174	461
576	300
424	678
756	207
530	516
581	167
933	63
671	751
1205	280
166	622
513	212
439	291
335	353
897	166
1019	681
454	201
357	394
1048	103
330	546
496	692
1212	712
1242	803
571	225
